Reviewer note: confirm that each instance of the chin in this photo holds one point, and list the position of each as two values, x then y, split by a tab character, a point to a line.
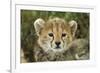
58	50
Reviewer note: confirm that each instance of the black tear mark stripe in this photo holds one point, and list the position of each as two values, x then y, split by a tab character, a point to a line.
52	40
62	40
53	34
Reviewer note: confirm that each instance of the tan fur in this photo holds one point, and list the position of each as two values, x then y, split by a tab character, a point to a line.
49	32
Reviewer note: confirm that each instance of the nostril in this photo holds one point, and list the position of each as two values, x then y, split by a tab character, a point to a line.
57	43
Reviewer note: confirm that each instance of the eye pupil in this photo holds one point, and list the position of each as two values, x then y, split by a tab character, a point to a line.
51	34
63	34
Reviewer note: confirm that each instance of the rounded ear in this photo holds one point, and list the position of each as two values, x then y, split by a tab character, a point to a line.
38	25
73	25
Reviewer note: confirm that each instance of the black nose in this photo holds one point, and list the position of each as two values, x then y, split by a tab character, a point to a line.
57	43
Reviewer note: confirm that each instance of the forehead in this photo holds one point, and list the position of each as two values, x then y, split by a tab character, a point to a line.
57	25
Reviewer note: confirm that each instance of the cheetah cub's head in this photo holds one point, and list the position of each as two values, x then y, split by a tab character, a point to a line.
55	34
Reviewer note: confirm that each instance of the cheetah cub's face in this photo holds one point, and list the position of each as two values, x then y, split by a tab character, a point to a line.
55	34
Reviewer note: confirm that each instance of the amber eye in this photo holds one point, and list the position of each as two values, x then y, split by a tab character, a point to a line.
63	34
50	34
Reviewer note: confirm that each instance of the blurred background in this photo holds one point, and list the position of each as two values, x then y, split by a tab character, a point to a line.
28	36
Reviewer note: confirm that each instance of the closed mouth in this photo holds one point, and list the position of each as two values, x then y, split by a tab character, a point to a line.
57	47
